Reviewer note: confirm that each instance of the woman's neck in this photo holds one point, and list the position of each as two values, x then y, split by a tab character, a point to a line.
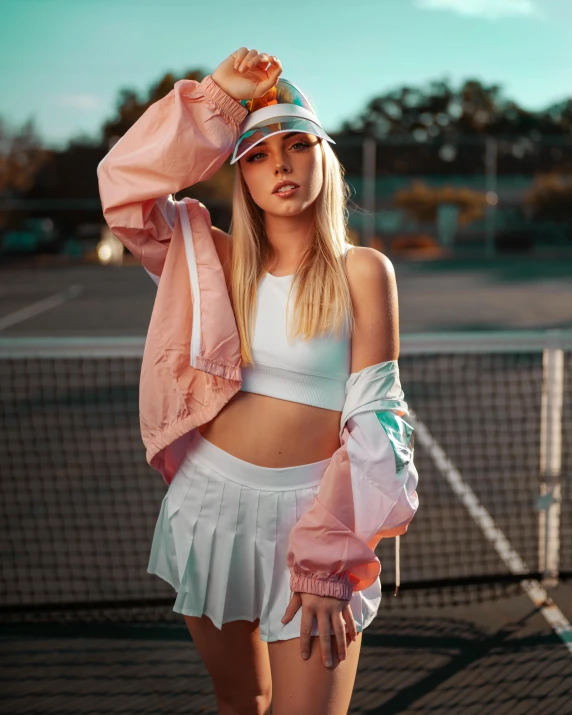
289	237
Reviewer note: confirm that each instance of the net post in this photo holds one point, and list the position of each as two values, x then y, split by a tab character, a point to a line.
549	502
491	158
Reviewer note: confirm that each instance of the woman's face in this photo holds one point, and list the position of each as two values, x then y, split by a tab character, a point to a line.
290	156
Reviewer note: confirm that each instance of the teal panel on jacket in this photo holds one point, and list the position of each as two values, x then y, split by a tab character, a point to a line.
399	433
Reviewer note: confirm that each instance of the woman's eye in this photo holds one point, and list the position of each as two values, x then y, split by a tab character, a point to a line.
253	157
304	145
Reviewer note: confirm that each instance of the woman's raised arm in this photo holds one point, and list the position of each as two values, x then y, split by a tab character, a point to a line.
180	140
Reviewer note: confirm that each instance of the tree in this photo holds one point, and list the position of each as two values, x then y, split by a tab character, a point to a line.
130	105
21	156
551	197
422	202
215	193
441	111
440	129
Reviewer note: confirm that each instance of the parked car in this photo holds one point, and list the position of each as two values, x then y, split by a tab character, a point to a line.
34	235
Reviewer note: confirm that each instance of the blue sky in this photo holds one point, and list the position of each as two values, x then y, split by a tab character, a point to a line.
63	61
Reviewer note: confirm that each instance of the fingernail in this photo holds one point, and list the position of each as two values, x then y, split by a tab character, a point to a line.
328	663
305	656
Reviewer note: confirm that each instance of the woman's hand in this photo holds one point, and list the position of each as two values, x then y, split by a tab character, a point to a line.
328	611
247	74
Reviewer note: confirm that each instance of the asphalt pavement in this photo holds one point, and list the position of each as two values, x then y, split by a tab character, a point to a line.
70	426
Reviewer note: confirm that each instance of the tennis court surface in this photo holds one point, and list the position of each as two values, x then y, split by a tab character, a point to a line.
86	630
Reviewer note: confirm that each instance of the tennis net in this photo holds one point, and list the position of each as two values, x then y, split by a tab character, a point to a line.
78	502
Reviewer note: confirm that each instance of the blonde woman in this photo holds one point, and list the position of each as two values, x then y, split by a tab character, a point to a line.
270	397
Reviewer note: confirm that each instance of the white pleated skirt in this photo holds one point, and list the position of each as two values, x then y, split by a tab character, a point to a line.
221	540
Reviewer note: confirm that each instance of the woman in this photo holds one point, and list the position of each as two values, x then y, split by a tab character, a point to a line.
258	350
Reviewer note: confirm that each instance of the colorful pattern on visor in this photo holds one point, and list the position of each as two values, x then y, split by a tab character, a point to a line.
276	125
284	108
283	92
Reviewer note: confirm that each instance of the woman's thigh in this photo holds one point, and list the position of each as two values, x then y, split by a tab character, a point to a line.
307	687
238	663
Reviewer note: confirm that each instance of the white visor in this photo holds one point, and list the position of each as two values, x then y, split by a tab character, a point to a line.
275	125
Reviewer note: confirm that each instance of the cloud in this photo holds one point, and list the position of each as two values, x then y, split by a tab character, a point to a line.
489	9
84	102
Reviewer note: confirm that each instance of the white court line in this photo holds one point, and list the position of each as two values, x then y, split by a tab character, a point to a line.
40	306
508	555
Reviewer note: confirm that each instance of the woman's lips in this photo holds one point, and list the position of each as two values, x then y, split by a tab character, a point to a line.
286	194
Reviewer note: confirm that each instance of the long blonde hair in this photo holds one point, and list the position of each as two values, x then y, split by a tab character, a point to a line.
323	302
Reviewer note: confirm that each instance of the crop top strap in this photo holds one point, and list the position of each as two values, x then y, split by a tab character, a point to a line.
347	247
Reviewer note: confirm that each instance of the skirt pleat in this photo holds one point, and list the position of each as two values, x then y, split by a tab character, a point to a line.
195	578
222	545
163	559
279	591
266	532
241	597
189	492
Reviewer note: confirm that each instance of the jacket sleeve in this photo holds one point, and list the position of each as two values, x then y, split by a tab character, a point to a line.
180	140
368	492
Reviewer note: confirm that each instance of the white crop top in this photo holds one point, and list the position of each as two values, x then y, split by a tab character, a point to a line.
313	372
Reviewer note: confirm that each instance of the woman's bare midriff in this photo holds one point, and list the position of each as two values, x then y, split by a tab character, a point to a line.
270	432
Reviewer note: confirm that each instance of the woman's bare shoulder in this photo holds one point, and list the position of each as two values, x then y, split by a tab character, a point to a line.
369	266
373	289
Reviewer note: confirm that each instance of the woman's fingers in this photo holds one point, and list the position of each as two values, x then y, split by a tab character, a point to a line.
340	633
292	608
349	619
258	68
247	74
239	55
274	69
245	64
329	617
324	621
254	60
306	632
245	59
261	59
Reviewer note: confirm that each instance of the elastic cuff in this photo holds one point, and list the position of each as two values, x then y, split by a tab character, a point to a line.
337	587
227	104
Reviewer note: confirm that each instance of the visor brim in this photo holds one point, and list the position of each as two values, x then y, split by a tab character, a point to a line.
262	131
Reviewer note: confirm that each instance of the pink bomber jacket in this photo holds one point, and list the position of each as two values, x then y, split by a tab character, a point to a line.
191	360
